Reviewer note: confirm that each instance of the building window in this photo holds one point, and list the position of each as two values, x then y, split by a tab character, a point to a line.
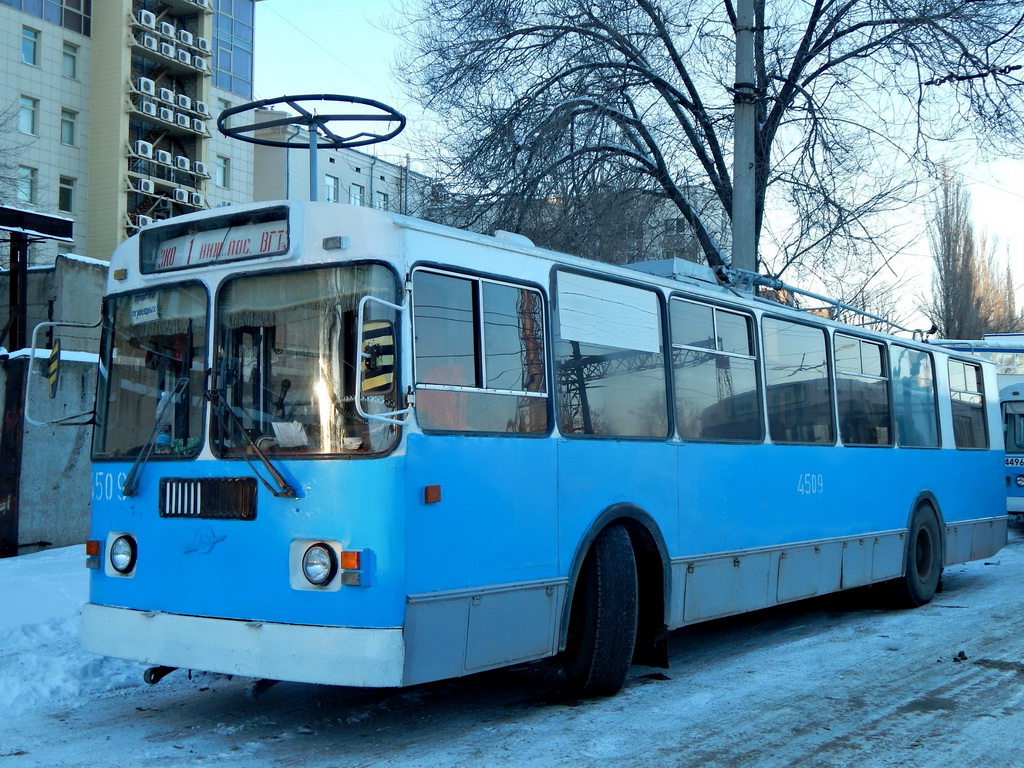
332	189
223	105
68	122
222	171
28	115
70	61
355	194
30	46
27	182
381	201
233	47
66	194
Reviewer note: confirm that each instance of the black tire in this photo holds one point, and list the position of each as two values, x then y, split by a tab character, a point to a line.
923	561
603	618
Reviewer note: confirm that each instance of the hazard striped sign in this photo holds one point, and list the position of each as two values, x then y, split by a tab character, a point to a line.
53	368
378	357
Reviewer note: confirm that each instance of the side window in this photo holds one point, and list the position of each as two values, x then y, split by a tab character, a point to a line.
913	398
966	393
862	385
610	367
480	363
797	383
716	392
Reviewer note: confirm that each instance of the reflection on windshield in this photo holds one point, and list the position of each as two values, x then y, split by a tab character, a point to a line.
153	346
285	362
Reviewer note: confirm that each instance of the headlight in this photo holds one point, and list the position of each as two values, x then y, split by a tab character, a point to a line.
123	553
319	564
1020	481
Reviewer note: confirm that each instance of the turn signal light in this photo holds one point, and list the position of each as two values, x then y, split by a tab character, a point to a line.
351	561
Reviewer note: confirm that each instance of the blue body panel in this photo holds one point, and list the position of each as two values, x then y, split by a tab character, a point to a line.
239	569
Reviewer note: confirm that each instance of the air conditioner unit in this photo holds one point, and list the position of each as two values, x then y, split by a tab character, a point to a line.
167	29
148	107
143	221
167	49
166	94
201	108
163	156
167	115
147	18
203	44
146	85
197	199
183	121
146	186
184	56
184	102
182	163
143	149
200	168
199	63
199	126
150	41
184	36
180	196
202	3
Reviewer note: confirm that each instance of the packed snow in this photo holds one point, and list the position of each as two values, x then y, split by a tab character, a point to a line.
829	682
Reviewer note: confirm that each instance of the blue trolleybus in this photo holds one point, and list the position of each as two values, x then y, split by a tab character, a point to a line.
1006	350
343	446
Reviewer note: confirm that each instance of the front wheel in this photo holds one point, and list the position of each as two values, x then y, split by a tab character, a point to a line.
923	566
603	617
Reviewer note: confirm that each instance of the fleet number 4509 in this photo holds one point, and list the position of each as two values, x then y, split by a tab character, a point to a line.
810	483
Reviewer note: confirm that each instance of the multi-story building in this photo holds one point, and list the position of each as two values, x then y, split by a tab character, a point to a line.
111	111
345	175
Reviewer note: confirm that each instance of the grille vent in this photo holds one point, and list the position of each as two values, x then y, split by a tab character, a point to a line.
212	498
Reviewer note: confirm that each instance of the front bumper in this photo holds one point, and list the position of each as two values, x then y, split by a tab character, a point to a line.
300	653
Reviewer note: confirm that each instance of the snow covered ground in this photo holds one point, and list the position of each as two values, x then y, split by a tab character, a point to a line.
832	682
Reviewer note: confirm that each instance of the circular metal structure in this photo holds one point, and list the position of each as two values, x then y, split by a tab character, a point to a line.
316	122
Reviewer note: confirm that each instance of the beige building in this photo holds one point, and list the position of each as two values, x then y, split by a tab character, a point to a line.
112	111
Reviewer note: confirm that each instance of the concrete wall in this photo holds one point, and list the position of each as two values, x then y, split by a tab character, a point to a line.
55	481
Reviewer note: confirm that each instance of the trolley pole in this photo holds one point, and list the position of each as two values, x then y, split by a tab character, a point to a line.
744	245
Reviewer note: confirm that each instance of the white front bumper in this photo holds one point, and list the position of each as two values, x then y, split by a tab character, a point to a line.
300	653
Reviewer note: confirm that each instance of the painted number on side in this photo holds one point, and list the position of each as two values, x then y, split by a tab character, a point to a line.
810	483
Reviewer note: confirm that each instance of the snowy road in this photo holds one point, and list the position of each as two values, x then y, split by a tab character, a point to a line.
834	682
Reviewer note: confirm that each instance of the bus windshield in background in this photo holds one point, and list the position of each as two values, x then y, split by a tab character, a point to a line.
286	361
154	344
248	235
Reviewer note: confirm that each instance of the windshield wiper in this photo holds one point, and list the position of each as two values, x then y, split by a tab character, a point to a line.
131	480
220	407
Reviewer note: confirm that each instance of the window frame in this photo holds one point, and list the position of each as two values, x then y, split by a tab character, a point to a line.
69	53
28	105
30	39
32	180
480	349
829	380
66	187
68	127
753	338
886	377
987	443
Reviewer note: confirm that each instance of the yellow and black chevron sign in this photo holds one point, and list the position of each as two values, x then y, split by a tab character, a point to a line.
53	368
379	365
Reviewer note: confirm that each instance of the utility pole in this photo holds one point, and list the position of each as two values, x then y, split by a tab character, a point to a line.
744	246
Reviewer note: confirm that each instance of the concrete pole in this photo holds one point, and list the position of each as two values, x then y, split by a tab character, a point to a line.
744	246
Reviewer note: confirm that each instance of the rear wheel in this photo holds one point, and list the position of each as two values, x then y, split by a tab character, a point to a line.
923	566
603	617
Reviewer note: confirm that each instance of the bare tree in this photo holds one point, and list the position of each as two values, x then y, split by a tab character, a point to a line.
971	292
536	92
